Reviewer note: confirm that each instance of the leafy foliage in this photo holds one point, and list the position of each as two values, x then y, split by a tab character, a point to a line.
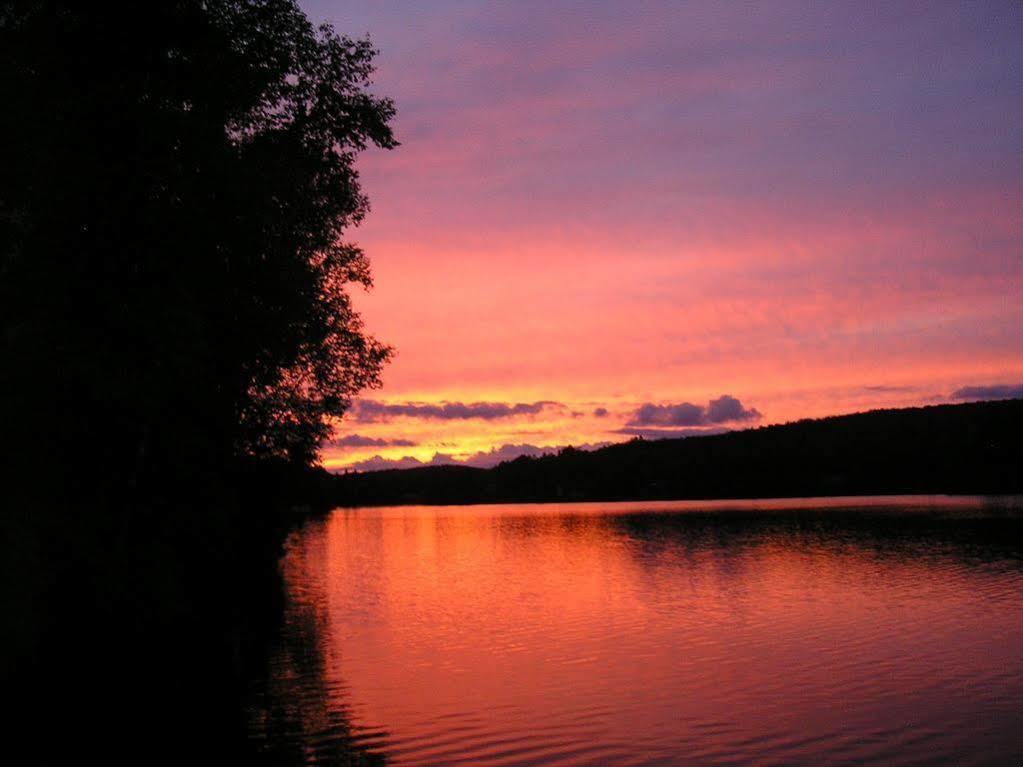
176	188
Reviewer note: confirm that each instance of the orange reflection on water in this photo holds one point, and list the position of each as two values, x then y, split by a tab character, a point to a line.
616	633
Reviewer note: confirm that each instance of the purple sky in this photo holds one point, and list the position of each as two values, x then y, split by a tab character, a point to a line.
811	207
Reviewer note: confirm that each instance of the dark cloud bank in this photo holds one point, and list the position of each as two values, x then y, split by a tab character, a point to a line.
995	391
724	409
371	410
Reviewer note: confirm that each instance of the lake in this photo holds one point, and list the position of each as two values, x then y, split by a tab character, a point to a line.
809	631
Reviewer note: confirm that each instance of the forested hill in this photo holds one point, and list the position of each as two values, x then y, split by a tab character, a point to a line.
969	448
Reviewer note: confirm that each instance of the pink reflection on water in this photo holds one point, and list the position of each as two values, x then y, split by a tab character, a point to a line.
670	633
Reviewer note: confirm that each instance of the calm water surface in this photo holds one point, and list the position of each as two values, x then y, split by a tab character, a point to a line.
841	631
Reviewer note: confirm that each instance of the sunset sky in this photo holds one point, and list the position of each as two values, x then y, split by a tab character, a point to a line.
660	218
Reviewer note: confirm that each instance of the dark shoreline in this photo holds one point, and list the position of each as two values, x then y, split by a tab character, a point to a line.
1011	499
135	625
967	449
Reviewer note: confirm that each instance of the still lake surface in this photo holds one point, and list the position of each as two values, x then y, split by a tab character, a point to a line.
811	631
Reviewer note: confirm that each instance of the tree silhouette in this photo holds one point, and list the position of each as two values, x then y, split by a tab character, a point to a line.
174	279
176	178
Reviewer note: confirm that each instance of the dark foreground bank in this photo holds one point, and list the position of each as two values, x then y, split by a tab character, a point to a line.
133	625
175	330
971	448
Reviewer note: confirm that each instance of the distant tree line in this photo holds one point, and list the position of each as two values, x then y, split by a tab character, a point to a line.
969	448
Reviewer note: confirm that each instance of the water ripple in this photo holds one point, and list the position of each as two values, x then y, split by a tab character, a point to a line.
864	631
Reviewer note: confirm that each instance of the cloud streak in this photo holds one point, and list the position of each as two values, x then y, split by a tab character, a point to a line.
654	433
361	440
369	411
480	460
